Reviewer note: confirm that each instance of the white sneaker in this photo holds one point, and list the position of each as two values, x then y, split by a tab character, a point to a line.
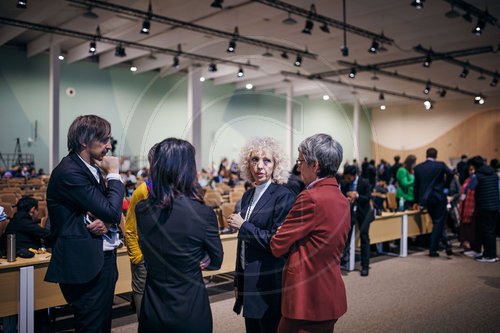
472	254
485	259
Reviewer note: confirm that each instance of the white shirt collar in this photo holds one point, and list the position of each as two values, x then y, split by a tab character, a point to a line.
92	169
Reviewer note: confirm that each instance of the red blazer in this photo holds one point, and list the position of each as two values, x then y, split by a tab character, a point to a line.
313	237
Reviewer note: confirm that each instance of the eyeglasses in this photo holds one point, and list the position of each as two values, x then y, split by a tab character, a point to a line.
299	162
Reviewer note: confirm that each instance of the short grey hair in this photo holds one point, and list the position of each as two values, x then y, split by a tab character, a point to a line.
324	149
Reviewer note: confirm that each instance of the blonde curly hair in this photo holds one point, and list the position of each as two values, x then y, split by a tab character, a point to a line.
280	172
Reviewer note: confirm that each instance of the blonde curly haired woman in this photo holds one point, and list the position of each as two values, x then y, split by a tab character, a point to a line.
263	208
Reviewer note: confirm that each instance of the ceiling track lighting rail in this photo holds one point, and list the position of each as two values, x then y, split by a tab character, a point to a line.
119	42
472	10
355	86
412	79
326	20
191	26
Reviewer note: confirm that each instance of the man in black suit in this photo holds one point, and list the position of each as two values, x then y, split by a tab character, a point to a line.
84	216
358	192
431	178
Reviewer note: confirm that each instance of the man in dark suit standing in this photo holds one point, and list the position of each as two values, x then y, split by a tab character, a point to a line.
84	216
357	191
431	178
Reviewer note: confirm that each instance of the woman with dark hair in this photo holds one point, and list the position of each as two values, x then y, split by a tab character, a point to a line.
179	237
405	179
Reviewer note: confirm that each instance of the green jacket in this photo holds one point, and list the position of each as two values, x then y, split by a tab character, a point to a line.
405	184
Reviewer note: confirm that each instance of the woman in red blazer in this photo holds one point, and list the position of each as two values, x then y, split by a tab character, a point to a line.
313	237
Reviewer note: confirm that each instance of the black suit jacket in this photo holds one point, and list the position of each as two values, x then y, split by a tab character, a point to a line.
259	284
77	254
431	178
363	201
28	232
173	243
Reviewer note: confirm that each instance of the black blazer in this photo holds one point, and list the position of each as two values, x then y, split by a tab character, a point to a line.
363	201
77	255
431	178
259	284
173	244
28	232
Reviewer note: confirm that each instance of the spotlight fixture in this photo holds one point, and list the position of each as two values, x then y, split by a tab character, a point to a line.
419	4
90	14
284	55
298	61
217	4
249	86
428	105
326	97
92	47
381	96
479	100
481	77
146	25
494	82
151	56
202	79
231	47
120	51
240	73
442	93
352	74
212	67
427	88
325	28
478	29
175	64
465	72
289	20
60	57
427	61
452	13
373	49
133	69
22	4
345	50
308	27
267	53
383	107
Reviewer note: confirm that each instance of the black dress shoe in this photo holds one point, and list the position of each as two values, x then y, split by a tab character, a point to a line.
364	272
433	254
448	251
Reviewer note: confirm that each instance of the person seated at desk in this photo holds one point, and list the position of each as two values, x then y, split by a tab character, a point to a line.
24	224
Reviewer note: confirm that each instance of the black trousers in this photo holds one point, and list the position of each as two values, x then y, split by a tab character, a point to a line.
364	229
262	325
437	211
92	301
486	224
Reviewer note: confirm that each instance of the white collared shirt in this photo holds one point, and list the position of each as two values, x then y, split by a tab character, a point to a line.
111	240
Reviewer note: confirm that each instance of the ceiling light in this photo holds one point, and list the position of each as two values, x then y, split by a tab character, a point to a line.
464	73
494	82
373	49
352	74
467	17
267	53
383	107
146	25
308	27
428	105
284	55
427	88
325	28
133	69
212	67
249	86
231	47
92	47
175	64
202	79
419	4
152	56
326	97
22	4
240	73
442	93
61	57
381	96
481	77
217	4
120	51
452	13
478	29
298	61
345	50
427	61
479	100
90	14
290	20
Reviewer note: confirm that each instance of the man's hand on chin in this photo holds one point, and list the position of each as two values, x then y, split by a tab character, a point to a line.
109	164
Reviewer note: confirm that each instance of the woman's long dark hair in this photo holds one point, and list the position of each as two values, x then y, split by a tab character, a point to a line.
173	173
408	163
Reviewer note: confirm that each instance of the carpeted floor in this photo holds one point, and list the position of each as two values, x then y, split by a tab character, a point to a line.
413	294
